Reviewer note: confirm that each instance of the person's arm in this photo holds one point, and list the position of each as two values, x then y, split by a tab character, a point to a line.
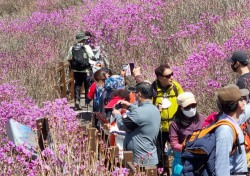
224	143
128	123
137	75
69	55
174	140
92	90
89	51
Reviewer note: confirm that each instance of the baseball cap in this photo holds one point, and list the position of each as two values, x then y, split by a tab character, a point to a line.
239	56
244	92
185	99
230	94
113	102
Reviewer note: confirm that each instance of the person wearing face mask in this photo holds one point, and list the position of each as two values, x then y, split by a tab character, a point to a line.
185	122
243	121
232	105
239	64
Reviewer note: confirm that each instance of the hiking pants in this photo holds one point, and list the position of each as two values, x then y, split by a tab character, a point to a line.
79	79
176	165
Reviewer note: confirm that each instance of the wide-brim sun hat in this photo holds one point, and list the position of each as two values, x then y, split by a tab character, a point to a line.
81	36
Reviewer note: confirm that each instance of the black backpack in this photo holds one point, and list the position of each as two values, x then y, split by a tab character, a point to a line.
80	59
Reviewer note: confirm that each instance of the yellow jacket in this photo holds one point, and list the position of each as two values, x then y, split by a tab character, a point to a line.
171	94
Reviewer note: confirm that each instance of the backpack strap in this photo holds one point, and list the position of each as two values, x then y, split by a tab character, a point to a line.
175	90
155	92
204	131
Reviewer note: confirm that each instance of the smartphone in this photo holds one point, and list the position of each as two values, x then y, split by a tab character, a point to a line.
118	106
132	66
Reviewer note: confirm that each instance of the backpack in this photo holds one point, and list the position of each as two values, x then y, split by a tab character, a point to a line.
80	59
198	154
245	129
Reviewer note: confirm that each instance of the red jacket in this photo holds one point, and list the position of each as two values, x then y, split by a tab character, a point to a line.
92	90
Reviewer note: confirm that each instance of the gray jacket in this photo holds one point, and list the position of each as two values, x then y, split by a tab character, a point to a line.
142	126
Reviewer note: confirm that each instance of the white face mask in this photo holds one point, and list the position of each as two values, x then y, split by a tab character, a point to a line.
189	113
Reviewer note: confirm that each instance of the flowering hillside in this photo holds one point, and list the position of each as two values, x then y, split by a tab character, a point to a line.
195	37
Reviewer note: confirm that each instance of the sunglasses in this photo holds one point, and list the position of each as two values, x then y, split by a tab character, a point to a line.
168	76
190	106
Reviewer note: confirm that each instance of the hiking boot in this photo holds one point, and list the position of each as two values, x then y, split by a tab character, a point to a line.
77	107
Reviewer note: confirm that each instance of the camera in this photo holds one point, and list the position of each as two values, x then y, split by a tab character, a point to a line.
128	68
118	106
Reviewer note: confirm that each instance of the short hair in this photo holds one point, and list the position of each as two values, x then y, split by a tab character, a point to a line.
145	89
228	107
100	75
159	70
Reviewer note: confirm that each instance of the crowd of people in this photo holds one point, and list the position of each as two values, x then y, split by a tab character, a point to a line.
146	118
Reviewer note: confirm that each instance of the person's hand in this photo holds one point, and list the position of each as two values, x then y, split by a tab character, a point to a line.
159	106
137	71
125	104
115	111
123	73
107	126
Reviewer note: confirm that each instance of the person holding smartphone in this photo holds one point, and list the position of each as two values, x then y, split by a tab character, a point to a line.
141	124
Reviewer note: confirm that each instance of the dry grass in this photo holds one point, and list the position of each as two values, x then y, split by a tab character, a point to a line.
40	82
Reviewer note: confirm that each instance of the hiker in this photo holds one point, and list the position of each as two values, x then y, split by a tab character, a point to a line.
239	64
101	57
117	136
186	121
231	103
142	125
81	57
165	91
96	89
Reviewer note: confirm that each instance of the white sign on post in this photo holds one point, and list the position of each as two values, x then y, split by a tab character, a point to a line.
20	134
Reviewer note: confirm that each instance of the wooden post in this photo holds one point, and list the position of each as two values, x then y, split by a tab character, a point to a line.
42	125
92	136
151	170
66	82
63	81
127	157
114	153
132	169
72	85
93	120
